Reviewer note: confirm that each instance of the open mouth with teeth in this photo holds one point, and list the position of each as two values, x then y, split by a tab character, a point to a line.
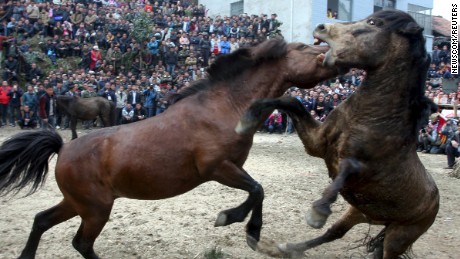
321	58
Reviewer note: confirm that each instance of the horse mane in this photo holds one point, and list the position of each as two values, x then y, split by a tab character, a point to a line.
230	66
403	24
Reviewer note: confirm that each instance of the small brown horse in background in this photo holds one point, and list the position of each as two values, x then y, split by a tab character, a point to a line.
193	142
86	109
369	141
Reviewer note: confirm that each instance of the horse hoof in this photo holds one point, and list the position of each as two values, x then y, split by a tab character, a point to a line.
315	219
221	220
252	242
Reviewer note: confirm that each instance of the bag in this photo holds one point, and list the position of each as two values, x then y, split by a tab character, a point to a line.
98	64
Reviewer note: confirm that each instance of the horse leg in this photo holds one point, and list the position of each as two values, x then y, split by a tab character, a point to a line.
349	219
94	218
257	113
73	126
399	238
44	221
105	119
233	176
321	209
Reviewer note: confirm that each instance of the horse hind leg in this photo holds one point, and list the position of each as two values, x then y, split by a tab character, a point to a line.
399	238
231	175
349	219
321	209
94	219
44	221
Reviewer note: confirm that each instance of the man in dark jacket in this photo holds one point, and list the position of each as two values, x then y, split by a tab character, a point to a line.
171	60
47	110
15	104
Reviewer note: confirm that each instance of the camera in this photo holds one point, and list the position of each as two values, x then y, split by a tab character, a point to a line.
423	131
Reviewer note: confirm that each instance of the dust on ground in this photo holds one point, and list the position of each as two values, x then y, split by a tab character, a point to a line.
183	226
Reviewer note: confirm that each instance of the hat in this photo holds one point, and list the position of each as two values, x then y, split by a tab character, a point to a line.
95	47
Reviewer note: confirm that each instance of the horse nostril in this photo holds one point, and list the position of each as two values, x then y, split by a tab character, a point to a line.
321	27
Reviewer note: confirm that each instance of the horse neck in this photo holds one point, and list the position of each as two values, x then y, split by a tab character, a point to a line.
393	85
391	94
265	81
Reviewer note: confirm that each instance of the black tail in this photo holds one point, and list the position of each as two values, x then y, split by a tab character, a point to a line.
259	111
24	159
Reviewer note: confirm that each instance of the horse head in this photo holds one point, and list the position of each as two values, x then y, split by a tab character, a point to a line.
369	43
390	46
304	66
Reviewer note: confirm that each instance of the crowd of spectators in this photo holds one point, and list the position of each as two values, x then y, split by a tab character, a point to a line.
182	43
441	134
319	101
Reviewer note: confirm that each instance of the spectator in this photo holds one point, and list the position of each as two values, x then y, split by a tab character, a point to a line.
162	101
10	68
127	114
134	96
96	58
139	113
27	118
275	122
50	51
452	148
121	96
225	46
108	93
435	56
4	102
30	99
48	108
14	104
444	55
150	96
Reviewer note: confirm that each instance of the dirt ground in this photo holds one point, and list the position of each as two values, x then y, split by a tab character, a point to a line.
182	227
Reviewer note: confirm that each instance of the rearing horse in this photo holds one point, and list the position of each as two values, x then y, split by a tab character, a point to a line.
369	141
191	143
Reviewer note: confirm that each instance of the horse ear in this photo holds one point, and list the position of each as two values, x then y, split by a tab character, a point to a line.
411	28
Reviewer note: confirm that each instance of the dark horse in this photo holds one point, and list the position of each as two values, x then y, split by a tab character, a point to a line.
193	142
369	141
87	109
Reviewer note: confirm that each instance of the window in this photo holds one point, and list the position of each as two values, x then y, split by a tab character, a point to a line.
237	8
422	15
384	4
340	9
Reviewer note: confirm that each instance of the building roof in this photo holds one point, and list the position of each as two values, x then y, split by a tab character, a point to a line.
441	26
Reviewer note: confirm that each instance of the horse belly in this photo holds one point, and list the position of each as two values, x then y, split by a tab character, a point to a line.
155	184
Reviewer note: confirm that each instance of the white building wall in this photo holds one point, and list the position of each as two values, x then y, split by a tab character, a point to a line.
221	7
300	17
295	15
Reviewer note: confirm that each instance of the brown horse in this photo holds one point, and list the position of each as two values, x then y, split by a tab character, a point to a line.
86	109
369	141
193	142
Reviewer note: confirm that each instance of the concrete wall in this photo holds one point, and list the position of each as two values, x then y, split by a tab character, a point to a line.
221	7
300	17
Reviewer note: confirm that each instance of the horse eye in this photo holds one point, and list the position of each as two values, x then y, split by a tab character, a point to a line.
371	22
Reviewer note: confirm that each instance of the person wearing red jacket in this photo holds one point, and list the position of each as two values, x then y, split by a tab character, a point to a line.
4	101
